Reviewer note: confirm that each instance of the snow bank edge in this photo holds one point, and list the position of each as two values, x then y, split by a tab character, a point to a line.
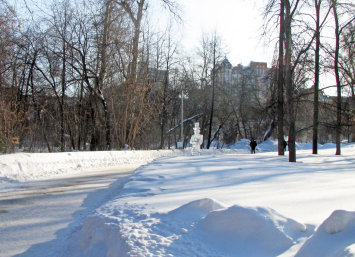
33	166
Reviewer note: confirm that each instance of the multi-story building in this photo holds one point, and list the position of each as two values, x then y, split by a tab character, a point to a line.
226	73
153	76
252	76
259	68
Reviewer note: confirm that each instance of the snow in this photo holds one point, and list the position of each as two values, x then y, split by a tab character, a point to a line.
334	237
254	231
22	167
272	145
221	203
338	221
34	166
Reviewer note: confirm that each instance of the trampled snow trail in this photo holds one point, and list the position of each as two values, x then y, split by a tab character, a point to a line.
36	218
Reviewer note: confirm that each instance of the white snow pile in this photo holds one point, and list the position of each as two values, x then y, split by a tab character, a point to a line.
250	231
242	144
266	146
34	166
200	206
272	145
337	233
200	228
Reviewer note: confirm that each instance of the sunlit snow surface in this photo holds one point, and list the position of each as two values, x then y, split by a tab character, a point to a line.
227	203
230	205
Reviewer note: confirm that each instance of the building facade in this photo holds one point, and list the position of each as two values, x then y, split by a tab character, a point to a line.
228	74
251	77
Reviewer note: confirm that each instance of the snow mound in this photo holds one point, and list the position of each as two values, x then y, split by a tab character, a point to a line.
197	209
338	221
242	144
305	146
272	146
269	146
329	146
255	231
100	236
335	237
203	227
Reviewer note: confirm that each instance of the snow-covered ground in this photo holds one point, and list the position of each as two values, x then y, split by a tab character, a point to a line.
22	167
221	203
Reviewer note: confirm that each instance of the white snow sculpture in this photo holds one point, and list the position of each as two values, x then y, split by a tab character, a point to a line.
196	139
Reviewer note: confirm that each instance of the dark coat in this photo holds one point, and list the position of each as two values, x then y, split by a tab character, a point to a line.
253	144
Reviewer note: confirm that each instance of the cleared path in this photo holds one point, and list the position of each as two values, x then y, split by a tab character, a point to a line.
37	218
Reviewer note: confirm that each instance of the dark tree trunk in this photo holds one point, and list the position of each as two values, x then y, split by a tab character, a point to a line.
316	79
337	76
213	88
289	84
280	83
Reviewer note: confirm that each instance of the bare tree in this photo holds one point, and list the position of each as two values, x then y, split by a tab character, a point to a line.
317	32
215	44
280	82
347	69
339	28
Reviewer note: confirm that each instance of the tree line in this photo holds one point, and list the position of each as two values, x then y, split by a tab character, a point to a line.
312	41
102	75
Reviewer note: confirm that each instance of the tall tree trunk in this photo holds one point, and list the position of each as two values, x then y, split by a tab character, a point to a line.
337	76
280	83
136	19
164	112
213	88
62	103
63	77
316	79
81	117
125	119
102	73
289	84
135	47
107	124
94	138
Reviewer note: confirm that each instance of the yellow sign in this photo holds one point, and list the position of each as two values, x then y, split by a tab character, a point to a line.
15	140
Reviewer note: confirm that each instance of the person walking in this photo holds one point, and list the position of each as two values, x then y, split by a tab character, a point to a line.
285	145
253	144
